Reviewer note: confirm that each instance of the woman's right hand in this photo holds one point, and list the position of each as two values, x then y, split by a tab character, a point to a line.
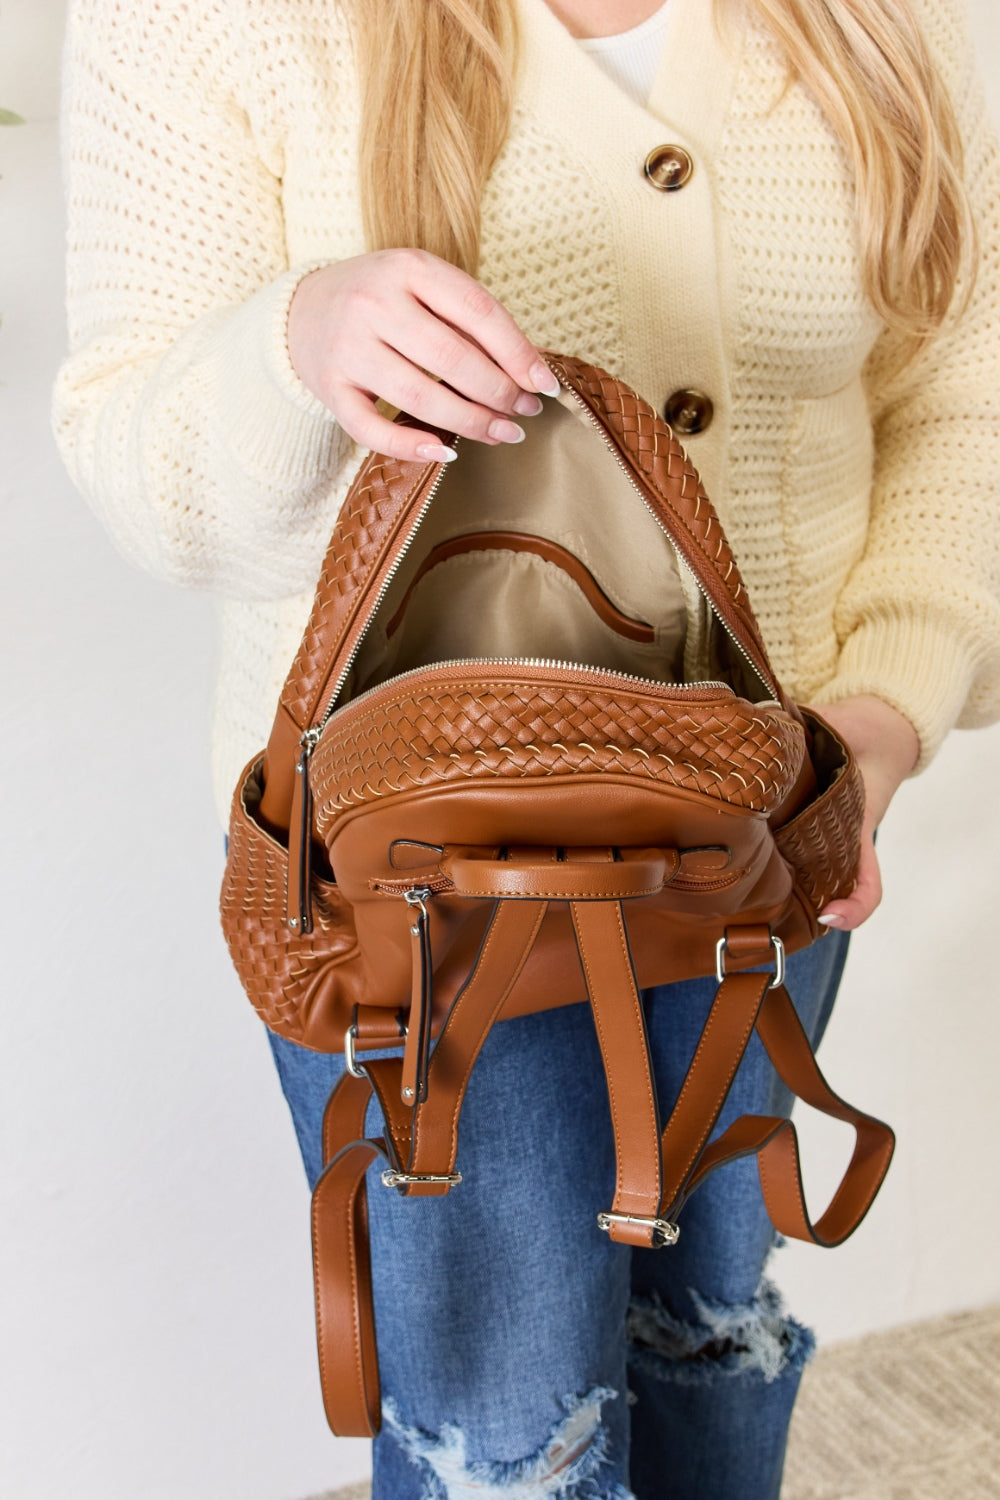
407	327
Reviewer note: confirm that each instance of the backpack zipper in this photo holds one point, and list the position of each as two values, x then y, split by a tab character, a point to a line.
299	903
535	661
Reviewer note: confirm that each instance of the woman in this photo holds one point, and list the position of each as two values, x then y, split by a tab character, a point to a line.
756	214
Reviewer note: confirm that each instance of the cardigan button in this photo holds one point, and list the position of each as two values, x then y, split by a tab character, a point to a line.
668	168
688	412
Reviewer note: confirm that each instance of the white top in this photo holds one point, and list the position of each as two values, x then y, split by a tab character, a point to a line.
632	57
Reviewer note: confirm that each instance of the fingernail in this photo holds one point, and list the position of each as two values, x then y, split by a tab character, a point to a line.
506	432
830	919
437	453
544	380
528	405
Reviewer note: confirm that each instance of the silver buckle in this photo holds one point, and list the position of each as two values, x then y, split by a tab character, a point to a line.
779	961
664	1233
353	1066
414	1179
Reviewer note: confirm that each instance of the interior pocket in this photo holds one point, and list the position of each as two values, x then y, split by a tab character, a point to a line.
496	603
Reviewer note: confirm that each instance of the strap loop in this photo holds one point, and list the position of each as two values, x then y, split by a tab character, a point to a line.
635	872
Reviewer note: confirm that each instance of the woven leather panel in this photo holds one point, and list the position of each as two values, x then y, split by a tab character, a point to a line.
425	736
662	463
378	499
278	968
822	843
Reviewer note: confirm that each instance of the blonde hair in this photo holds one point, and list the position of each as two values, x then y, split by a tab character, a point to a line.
437	79
437	89
867	65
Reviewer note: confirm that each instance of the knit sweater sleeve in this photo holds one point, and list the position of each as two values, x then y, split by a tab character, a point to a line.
178	412
919	617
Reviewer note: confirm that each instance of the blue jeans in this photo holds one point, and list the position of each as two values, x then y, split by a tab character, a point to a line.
524	1354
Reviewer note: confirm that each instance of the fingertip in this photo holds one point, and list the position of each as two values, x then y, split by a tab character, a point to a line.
830	919
543	379
436	453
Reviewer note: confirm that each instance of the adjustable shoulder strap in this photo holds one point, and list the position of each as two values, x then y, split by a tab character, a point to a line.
420	1148
655	1177
342	1277
745	1001
774	1139
656	1171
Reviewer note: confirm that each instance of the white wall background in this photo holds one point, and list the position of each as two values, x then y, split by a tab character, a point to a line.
156	1321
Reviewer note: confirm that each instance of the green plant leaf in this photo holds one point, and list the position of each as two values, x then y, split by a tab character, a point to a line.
8	117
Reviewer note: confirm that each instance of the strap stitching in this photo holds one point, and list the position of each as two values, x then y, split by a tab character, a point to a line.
600	1032
460	1093
355	1303
562	895
766	1177
620	1187
712	1019
637	1010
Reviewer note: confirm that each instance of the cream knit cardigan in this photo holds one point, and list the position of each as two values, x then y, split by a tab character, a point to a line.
210	157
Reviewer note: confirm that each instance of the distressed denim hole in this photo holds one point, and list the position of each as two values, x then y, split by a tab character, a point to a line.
751	1338
568	1466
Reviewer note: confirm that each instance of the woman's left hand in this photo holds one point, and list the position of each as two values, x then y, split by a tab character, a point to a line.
886	746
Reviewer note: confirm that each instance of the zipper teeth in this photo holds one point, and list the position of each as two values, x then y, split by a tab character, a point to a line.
398	887
544	662
689	883
581	403
317	730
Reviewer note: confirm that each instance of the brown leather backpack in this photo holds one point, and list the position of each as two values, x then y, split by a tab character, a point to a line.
531	752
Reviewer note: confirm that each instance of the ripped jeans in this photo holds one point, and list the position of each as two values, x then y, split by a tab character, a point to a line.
521	1352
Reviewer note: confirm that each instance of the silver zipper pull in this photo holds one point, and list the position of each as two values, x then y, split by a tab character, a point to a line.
416	1052
299	914
418	896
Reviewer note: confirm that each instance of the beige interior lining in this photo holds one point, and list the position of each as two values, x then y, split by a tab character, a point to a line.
564	484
